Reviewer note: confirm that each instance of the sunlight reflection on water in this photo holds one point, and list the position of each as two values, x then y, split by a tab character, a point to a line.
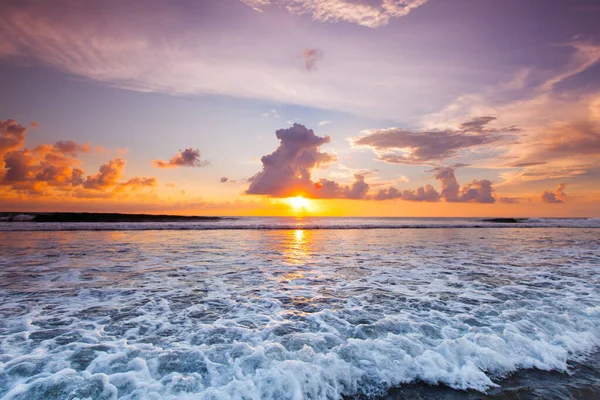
283	313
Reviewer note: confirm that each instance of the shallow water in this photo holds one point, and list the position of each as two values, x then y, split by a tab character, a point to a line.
292	314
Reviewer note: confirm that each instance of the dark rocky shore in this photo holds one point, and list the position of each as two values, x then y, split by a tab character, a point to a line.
99	217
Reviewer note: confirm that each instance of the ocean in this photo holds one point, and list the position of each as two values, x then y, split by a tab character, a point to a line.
301	308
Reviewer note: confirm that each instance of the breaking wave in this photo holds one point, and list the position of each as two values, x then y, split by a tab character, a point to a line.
274	223
290	314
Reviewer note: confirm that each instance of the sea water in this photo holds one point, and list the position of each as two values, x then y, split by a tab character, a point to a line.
300	309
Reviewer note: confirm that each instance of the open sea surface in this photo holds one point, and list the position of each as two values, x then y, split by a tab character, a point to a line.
307	308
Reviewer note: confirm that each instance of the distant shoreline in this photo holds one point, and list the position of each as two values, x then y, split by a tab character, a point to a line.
100	217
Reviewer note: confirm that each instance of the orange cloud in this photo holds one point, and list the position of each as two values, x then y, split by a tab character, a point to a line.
54	170
558	196
12	136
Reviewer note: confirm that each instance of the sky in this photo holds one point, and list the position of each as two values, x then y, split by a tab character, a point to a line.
298	107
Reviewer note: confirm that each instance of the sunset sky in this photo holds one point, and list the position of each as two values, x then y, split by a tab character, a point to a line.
297	107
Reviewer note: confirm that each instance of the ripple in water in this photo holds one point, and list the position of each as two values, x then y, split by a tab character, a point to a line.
302	314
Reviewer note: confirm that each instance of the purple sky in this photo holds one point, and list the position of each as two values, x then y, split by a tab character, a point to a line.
398	85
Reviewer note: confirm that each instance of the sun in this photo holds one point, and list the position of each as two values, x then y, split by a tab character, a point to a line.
299	203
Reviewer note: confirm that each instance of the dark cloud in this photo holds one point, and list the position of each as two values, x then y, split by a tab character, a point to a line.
476	124
72	148
426	146
311	56
528	164
224	179
287	171
186	158
558	196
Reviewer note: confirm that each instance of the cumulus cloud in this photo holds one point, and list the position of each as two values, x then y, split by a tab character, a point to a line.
427	194
401	146
558	196
32	170
55	169
369	14
107	176
326	189
477	191
287	170
311	56
12	136
186	158
287	173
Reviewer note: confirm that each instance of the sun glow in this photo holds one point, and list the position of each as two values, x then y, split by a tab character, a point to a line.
299	203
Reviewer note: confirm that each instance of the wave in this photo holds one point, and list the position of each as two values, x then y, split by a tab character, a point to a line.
274	223
227	316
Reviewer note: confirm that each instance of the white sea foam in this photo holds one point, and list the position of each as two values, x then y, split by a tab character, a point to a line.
313	223
290	314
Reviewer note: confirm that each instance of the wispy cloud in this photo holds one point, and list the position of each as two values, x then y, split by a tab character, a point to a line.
369	14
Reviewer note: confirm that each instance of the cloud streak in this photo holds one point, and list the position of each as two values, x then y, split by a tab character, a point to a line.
401	146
